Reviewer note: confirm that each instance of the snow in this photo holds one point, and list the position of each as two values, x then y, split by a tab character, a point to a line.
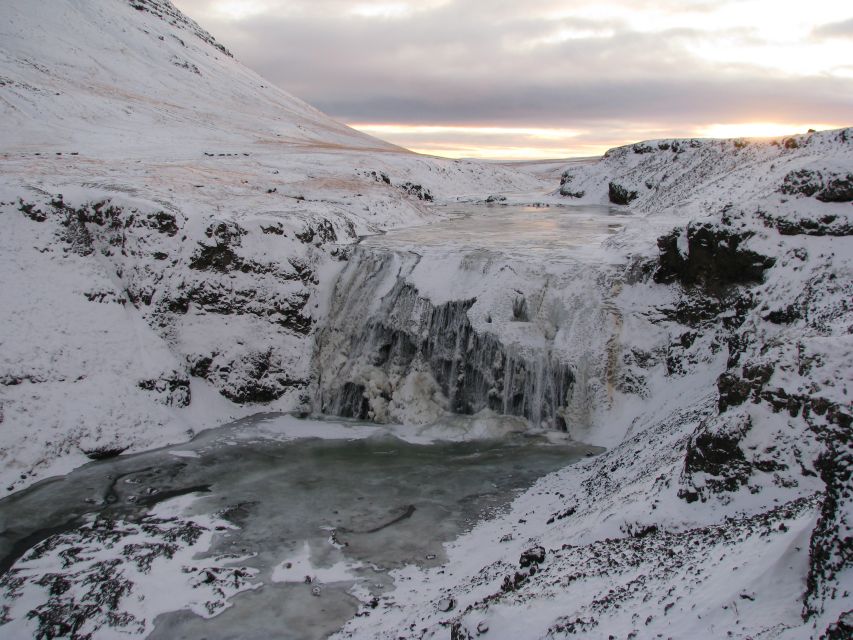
204	586
300	569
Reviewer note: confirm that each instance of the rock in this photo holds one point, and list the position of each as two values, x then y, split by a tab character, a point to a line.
533	556
381	177
842	629
218	257
714	260
826	187
171	388
710	452
807	223
446	604
163	222
30	211
458	632
837	189
802	182
257	377
104	453
565	186
619	194
420	192
733	390
718	458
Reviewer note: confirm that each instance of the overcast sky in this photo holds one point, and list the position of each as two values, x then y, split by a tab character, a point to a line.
549	78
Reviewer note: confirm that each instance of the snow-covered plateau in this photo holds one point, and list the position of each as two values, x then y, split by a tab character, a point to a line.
184	245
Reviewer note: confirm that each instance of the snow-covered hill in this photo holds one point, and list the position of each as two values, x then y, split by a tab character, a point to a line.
172	226
139	78
696	176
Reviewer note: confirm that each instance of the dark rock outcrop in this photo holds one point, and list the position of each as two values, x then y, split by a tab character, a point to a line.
252	377
715	257
168	13
566	186
418	191
535	555
104	453
619	194
171	389
825	186
807	223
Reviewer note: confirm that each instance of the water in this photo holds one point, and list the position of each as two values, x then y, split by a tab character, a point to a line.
536	231
362	496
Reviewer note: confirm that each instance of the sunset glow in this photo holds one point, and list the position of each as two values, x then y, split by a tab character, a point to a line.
520	143
489	142
758	129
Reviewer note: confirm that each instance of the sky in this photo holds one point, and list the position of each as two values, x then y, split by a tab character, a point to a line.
524	79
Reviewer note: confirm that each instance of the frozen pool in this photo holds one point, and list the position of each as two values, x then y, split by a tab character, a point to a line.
344	508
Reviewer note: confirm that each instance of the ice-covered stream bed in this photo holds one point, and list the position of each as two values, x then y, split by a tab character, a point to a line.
302	518
538	231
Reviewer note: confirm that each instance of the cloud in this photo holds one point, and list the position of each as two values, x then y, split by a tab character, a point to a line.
661	65
843	29
671	102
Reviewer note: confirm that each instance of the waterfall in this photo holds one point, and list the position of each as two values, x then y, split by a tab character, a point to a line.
387	353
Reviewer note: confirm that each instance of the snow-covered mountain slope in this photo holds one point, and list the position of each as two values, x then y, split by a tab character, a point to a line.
718	355
106	75
695	176
173	225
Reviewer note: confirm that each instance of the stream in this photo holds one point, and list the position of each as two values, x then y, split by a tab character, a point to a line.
518	230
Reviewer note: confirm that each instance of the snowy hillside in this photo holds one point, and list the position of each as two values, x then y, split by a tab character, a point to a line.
697	175
172	226
713	334
103	74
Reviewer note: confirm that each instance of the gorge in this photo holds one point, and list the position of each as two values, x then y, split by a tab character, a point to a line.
605	398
